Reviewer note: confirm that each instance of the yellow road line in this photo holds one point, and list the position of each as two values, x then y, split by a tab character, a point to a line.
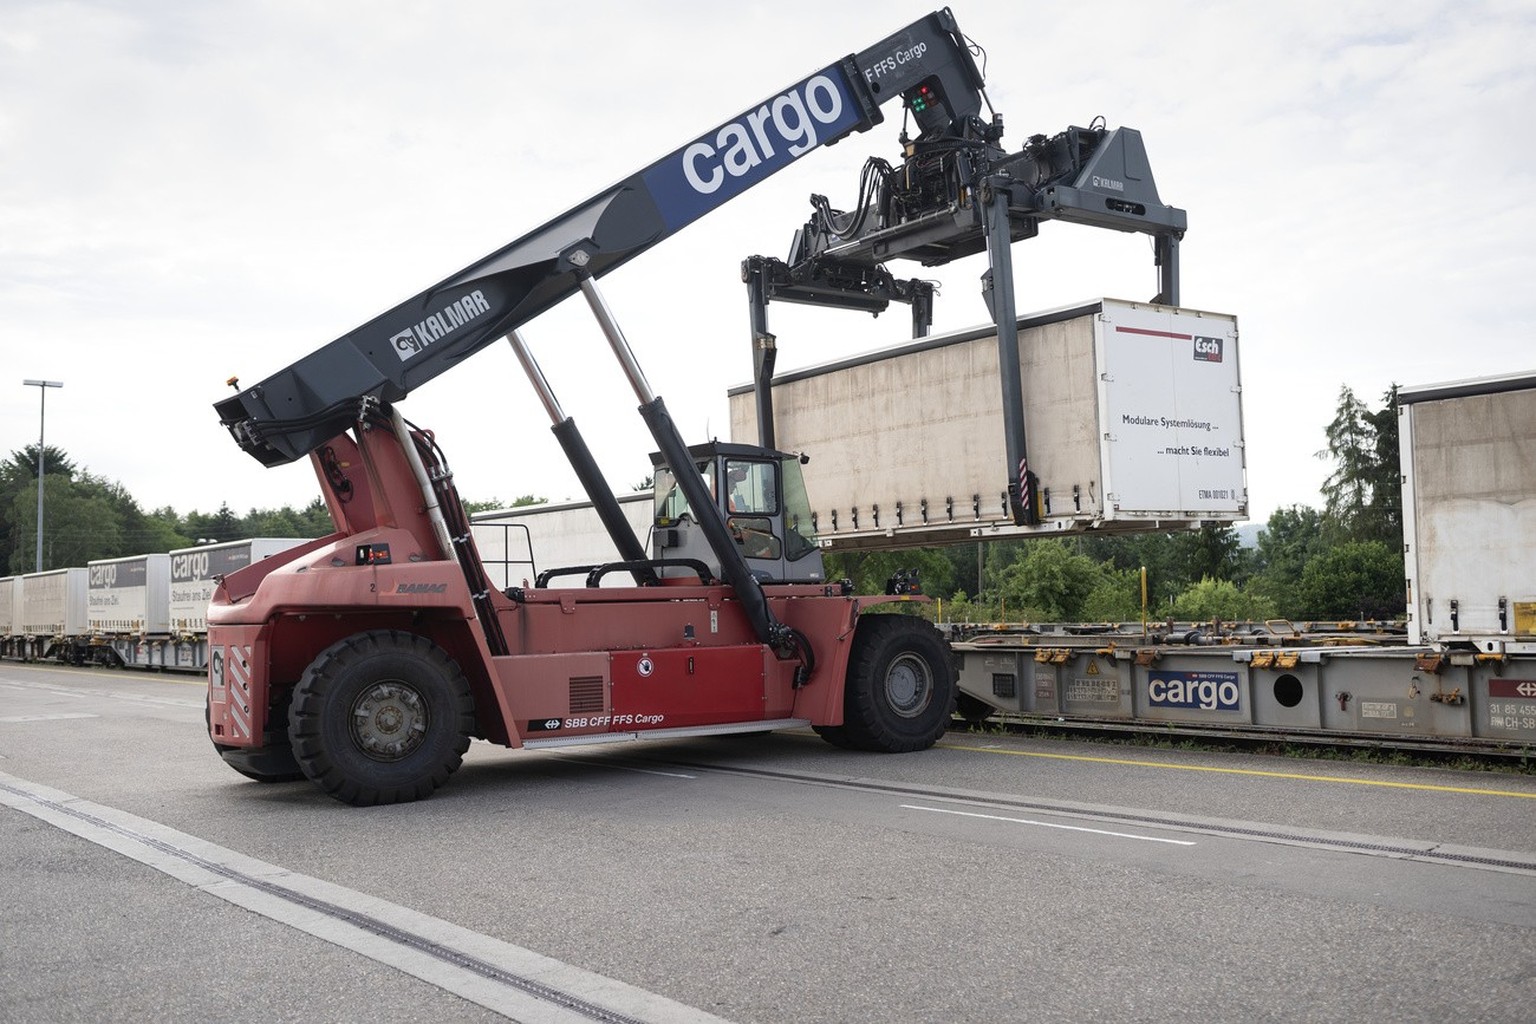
1244	771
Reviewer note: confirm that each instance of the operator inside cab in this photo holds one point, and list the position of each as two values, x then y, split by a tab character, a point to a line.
760	495
750	504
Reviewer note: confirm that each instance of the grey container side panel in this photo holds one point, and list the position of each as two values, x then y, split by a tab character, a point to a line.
53	603
518	543
1059	371
1469	499
919	428
907	430
10	606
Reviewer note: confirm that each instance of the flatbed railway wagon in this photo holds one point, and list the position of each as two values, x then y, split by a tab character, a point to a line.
140	611
1464	679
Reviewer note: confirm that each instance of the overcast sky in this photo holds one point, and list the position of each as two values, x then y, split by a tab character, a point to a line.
193	190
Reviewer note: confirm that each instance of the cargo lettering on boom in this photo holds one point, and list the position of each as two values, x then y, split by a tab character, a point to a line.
729	160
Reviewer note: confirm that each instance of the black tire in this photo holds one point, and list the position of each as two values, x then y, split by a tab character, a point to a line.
835	735
273	761
381	717
900	693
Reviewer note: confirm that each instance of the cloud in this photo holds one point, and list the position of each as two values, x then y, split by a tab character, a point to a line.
194	191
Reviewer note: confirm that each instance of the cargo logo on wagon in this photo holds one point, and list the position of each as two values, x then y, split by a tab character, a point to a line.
1200	691
1208	350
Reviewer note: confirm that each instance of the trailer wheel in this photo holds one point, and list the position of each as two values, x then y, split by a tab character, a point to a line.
901	685
381	717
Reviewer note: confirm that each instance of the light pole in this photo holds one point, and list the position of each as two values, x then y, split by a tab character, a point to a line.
42	422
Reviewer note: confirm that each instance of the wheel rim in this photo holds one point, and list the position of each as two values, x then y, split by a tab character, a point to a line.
908	685
389	721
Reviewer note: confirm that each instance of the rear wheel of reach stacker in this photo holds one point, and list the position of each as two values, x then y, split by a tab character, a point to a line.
381	717
900	692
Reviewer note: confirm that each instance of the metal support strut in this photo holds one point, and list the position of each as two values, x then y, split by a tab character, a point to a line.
592	480
997	287
670	443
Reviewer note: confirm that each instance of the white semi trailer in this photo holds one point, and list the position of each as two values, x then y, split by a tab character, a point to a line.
1132	413
1469	513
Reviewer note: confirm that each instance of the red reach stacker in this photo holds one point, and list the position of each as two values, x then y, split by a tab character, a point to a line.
368	659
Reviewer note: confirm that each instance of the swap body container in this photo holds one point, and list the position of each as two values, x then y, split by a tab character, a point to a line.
130	595
195	573
1468	452
1132	415
10	609
53	603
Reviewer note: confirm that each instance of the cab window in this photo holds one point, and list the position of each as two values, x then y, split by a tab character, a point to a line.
751	487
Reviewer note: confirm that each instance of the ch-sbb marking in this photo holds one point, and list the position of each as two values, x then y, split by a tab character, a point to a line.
602	721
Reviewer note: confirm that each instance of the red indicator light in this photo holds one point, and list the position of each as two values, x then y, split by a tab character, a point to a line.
373	554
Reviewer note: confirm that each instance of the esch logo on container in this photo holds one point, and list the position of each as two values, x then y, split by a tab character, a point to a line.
1207	350
1198	691
437	326
737	155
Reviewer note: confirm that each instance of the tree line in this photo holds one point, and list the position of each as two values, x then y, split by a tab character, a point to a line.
88	517
1342	561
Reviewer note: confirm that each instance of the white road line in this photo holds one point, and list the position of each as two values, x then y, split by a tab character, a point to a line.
515	982
83	692
1048	824
46	717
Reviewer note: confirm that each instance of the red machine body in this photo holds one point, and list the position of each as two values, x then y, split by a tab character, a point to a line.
576	665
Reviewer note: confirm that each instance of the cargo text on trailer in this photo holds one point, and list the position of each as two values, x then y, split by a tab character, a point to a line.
367	660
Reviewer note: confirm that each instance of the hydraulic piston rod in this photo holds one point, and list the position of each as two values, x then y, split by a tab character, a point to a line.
733	566
580	456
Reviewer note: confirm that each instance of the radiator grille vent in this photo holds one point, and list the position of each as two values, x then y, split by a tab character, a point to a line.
586	694
1004	684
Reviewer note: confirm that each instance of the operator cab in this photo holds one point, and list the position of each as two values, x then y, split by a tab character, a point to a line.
760	494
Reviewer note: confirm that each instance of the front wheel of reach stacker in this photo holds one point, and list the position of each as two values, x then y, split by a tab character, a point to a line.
381	717
901	685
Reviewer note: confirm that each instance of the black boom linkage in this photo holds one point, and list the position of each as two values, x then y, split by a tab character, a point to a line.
956	194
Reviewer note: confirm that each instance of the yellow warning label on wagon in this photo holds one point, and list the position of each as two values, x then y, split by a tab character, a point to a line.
1525	617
